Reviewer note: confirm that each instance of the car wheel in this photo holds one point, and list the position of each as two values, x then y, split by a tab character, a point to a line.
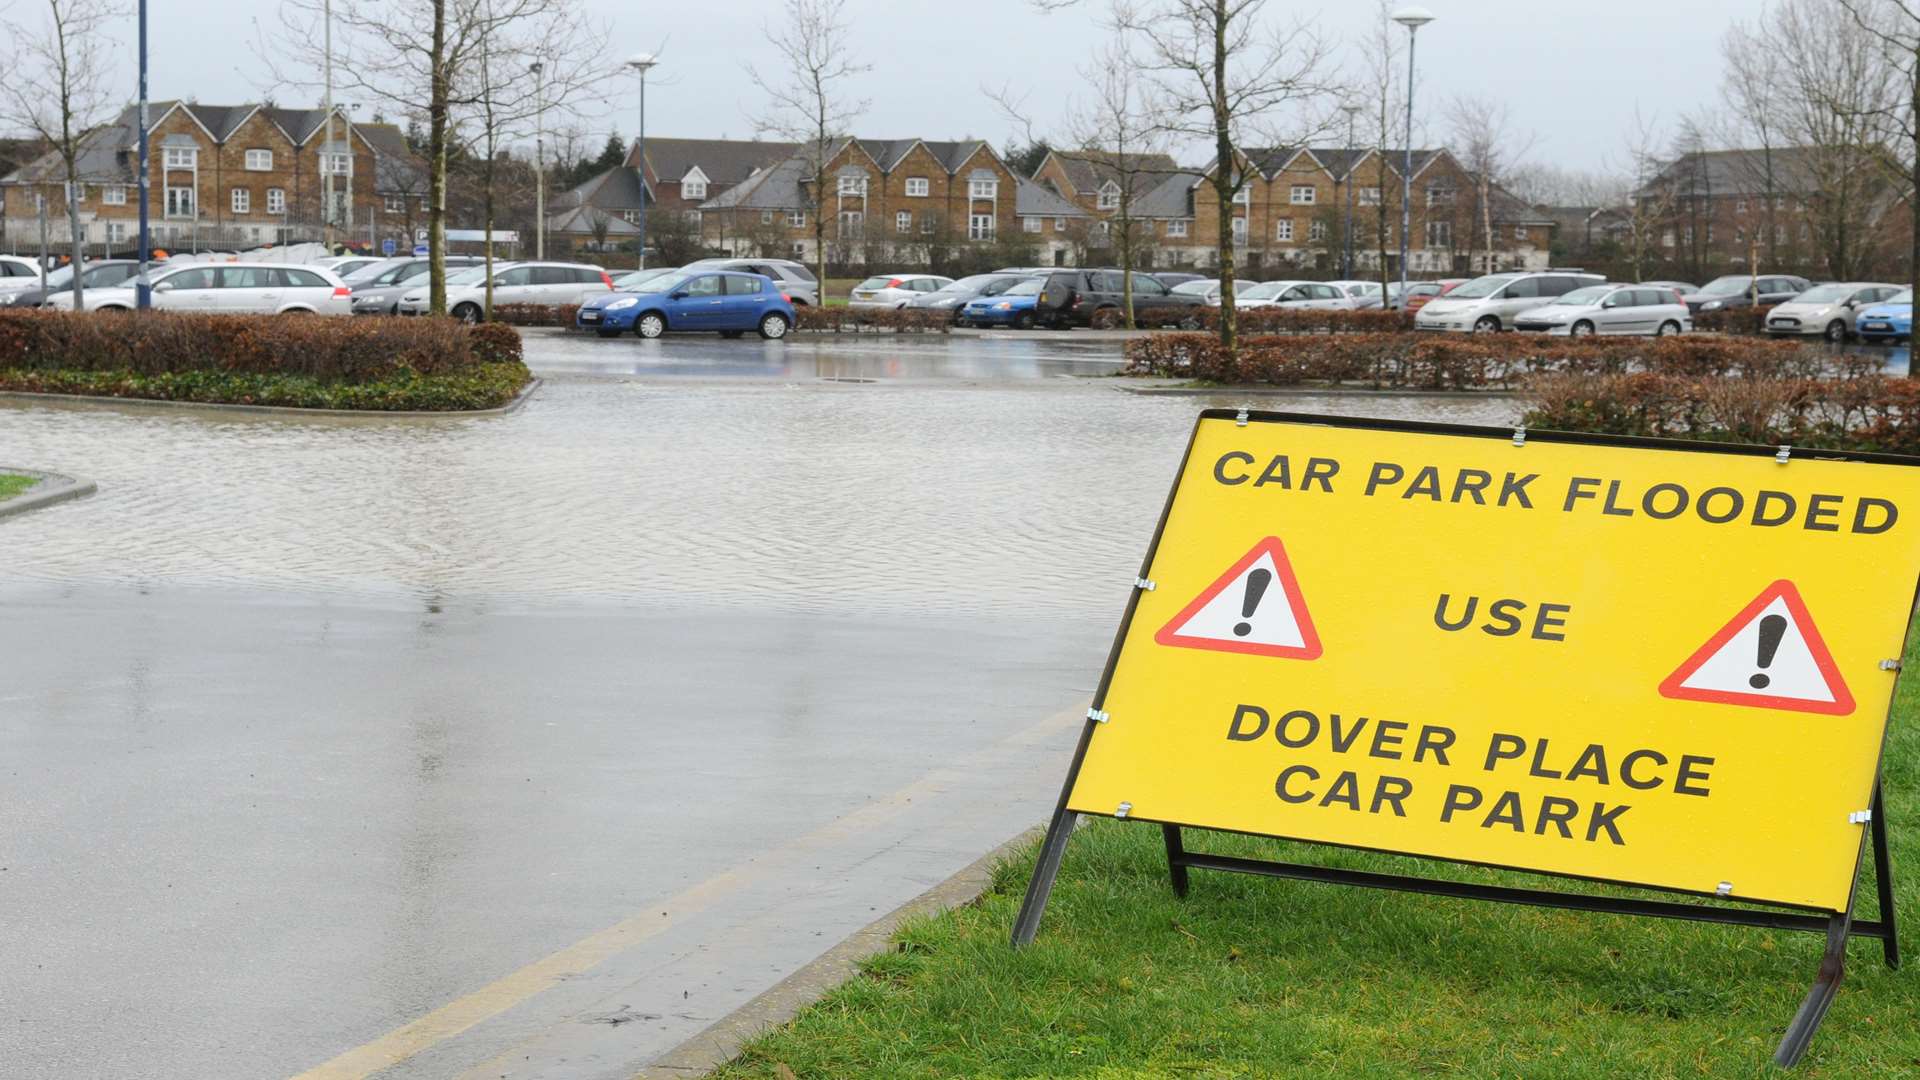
1583	328
467	313
607	332
1836	331
1023	321
773	326
1667	328
1489	325
650	325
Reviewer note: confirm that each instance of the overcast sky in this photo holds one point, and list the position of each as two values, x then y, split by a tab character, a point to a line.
1573	73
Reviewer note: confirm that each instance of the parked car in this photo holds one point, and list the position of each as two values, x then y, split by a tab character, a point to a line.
1077	297
1366	295
1012	307
1419	292
1208	291
377	288
1609	309
18	275
1488	304
1887	321
1681	287
1320	295
890	292
1827	310
1171	278
236	288
1736	291
549	283
342	265
102	274
632	280
794	279
953	298
728	302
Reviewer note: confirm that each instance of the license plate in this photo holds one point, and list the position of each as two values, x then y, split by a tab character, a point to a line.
863	296
589	316
1875	326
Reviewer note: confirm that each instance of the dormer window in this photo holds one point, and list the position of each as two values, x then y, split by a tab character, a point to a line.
982	189
1109	196
693	185
181	157
853	185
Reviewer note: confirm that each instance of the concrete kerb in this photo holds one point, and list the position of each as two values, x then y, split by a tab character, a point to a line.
520	399
51	488
722	1041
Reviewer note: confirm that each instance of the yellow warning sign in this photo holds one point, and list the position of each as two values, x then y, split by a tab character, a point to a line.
1651	665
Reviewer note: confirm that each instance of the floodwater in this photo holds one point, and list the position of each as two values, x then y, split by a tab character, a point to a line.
594	720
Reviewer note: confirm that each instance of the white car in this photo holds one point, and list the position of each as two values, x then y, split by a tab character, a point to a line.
1488	304
549	284
1318	295
1208	291
17	275
344	265
237	288
1827	310
1646	310
1366	295
892	291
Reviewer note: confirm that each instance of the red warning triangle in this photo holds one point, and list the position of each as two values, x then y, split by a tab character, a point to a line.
1769	656
1254	608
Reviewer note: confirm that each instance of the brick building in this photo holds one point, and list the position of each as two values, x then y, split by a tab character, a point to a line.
224	177
680	175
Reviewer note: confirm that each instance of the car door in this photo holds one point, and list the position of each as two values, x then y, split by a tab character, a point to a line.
513	286
245	290
1630	313
746	297
193	289
699	304
1329	298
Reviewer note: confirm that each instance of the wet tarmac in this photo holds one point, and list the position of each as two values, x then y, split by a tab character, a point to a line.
530	745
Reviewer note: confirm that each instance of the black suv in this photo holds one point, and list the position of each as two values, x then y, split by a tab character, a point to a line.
1077	298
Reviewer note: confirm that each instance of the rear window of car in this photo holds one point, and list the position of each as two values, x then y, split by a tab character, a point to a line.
304	279
874	283
797	273
743	285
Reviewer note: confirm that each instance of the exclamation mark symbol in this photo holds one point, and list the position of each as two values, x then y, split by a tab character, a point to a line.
1257	583
1772	629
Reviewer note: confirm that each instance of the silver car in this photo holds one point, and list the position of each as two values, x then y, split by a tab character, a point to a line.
1827	310
794	279
1610	309
1488	304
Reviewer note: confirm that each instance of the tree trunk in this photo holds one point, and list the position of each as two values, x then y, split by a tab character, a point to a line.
486	200
820	228
1913	211
437	108
1126	259
1223	186
73	229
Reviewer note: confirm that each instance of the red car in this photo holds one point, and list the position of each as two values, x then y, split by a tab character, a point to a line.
1419	292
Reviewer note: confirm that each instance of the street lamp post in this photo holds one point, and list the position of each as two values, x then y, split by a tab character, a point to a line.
1413	18
1346	260
143	295
640	62
539	165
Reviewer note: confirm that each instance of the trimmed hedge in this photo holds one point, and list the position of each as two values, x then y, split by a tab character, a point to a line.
303	361
1750	321
1471	361
1279	320
1870	412
561	315
845	320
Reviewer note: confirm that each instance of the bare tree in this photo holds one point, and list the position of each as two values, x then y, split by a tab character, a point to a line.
1753	92
804	102
56	88
1228	72
1486	143
1118	126
1650	204
1382	92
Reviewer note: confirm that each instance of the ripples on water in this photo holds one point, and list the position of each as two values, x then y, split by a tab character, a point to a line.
921	497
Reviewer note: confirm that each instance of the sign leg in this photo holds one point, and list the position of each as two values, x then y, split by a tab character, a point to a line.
1176	859
1806	1022
1045	869
1883	873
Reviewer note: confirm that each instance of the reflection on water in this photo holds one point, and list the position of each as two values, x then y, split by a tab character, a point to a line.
961	480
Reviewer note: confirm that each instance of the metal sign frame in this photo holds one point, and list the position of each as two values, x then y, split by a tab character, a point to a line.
1838	926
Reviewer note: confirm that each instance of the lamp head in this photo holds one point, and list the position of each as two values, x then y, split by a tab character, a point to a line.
640	62
1413	18
536	67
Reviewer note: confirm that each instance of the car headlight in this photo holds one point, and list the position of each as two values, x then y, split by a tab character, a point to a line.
623	303
1003	306
1711	305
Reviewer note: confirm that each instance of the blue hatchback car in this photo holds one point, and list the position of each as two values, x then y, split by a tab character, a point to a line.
715	301
1014	308
1889	320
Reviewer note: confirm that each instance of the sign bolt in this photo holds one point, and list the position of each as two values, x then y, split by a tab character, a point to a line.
1124	809
1889	665
1519	436
1860	817
1725	888
1098	716
1240	420
1785	453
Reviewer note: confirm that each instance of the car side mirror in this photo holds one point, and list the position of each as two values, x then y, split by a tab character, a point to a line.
1609	302
165	286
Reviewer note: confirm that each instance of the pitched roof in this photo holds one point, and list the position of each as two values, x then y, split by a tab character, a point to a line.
1088	170
777	188
1171	198
1743	172
1339	160
615	189
1038	200
950	154
724	161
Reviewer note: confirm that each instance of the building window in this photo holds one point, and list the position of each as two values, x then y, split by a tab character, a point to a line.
983	189
1739	235
903	221
797	219
631	217
1369	196
79	194
1176	228
1317	231
1302	195
1779	235
1243	197
1059	224
853	185
852	223
336	164
1030	224
1520	233
180	157
1438	195
113	195
276	201
180	202
1283	229
1109	198
766	217
259	161
693	189
396	204
1739	206
980	226
1439	234
927	221
117	232
1239	230
242	201
916	187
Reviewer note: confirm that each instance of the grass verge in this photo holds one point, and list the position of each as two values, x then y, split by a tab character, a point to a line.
1253	978
12	484
481	386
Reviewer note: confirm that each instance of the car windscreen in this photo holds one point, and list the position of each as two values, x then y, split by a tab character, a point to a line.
1592	294
1266	291
1481	287
795	270
1904	296
60	277
370	271
472	275
1030	287
1731	285
969	285
1194	288
1824	294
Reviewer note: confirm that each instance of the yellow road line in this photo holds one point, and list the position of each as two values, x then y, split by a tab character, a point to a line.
507	991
